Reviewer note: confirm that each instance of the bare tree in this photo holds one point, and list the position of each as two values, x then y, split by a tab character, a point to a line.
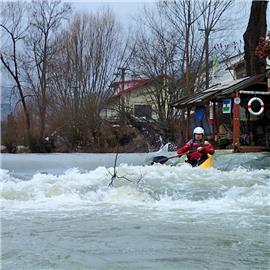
28	31
89	52
170	43
46	18
212	11
156	58
14	28
189	18
183	17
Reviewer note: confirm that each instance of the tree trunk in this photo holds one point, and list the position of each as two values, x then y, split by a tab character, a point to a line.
256	29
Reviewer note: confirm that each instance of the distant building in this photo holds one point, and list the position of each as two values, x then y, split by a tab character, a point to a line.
234	110
237	112
134	98
228	69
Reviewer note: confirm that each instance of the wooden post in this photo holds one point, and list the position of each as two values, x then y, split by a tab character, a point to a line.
236	125
187	126
215	121
212	119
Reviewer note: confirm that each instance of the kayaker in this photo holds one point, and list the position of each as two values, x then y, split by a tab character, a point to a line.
197	148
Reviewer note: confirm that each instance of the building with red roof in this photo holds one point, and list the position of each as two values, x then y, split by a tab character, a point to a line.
134	98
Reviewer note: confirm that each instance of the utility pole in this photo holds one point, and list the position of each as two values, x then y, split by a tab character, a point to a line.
122	98
207	32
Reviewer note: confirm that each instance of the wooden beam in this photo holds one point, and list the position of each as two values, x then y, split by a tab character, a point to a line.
236	125
214	123
187	127
261	83
254	92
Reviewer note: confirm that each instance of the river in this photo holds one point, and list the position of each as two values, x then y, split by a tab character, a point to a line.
59	212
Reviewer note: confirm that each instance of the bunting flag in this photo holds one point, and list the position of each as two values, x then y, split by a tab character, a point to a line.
214	61
227	104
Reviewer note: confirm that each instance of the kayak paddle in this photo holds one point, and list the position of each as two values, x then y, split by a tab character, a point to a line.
162	159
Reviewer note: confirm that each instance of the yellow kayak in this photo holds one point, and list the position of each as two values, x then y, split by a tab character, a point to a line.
209	163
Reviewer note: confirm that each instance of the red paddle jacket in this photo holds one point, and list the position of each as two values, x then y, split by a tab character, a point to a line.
191	148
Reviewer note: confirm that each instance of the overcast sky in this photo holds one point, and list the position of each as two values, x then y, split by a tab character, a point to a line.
127	11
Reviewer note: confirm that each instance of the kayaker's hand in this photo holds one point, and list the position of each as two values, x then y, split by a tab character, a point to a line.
200	149
179	156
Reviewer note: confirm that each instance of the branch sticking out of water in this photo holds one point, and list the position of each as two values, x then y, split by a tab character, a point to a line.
114	174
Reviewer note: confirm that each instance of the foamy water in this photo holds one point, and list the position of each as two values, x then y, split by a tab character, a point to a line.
159	186
152	217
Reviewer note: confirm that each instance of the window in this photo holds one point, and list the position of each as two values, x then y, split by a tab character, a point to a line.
143	111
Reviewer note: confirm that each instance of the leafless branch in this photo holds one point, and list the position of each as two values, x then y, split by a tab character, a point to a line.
114	174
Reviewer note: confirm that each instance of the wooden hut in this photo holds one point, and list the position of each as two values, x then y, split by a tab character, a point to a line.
238	113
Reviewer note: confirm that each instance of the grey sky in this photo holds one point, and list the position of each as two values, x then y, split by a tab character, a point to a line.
127	11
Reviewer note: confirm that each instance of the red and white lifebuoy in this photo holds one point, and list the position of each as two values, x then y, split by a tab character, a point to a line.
250	108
